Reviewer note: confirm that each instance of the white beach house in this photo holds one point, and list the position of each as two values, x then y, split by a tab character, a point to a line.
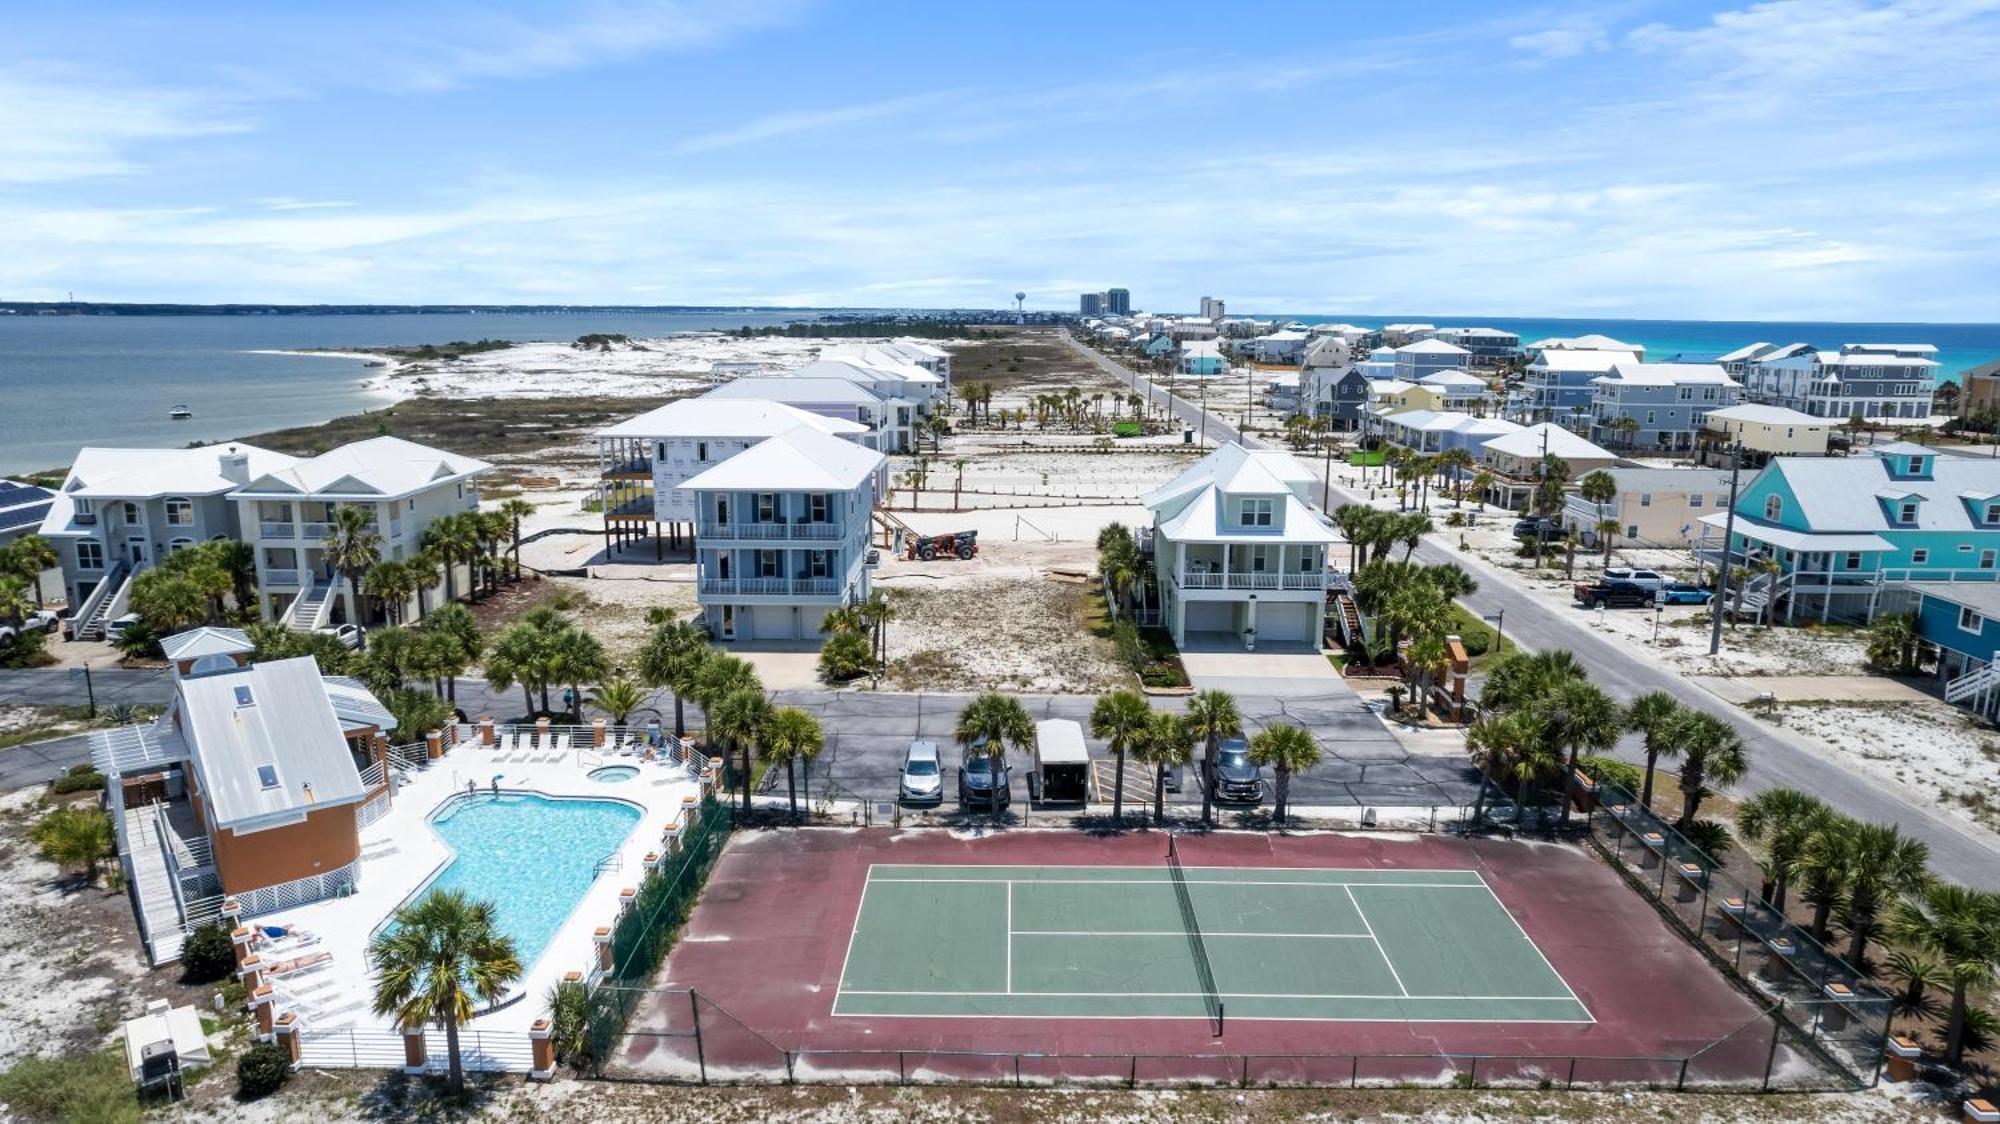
888	428
903	350
782	533
643	461
287	516
1240	552
120	510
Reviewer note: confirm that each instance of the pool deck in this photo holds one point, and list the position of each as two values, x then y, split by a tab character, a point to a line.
400	853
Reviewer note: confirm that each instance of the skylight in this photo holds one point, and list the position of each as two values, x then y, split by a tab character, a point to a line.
267	776
243	697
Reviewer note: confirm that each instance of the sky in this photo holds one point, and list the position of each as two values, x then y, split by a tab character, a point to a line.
1797	159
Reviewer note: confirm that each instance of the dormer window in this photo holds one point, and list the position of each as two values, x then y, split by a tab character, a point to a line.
1774	508
1256	513
1918	466
1906	512
1993	511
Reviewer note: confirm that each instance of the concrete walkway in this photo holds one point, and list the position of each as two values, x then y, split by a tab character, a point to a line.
1743	690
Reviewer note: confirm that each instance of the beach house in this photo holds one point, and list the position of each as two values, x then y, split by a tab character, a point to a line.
1240	552
286	515
1339	393
782	532
1484	347
1200	358
1658	407
1591	342
1559	383
1515	460
1861	380
884	429
896	382
1460	390
120	510
643	461
1654	507
902	351
1763	431
1434	431
1844	531
254	785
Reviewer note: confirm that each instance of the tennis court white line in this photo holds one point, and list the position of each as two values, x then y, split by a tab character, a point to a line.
1203	1018
1010	936
1168	882
860	904
1390	964
1224	994
1538	950
1205	934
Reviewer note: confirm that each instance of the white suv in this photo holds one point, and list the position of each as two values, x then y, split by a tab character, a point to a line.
1652	581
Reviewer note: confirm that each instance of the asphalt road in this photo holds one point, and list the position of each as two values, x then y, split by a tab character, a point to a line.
1778	758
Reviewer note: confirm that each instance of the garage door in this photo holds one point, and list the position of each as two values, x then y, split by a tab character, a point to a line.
1211	616
1285	621
772	622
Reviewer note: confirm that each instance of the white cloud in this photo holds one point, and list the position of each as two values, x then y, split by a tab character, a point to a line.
775	125
1568	39
58	123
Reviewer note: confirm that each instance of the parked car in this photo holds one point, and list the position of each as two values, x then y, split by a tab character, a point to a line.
976	787
923	780
1548	529
1238	780
349	635
1613	594
1651	579
120	626
1684	593
1170	777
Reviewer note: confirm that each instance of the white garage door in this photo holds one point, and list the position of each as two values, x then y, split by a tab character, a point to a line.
772	622
1211	616
1285	621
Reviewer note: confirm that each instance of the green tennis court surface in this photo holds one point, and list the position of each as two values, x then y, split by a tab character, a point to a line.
1112	942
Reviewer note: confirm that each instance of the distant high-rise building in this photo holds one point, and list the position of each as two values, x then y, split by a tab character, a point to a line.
1117	302
1091	304
1211	308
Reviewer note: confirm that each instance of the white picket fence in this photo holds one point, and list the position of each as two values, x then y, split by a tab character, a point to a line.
382	1048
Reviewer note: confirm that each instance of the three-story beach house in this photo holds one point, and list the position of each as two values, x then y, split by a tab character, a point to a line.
1861	380
885	427
121	510
1844	532
782	534
1658	406
1240	552
287	516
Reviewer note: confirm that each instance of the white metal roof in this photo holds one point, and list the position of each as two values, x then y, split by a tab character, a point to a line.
1790	539
877	369
803	459
1560	443
1591	360
1432	347
266	743
1453	378
386	467
355	705
146	473
1771	415
1668	374
726	417
1206	519
207	641
1237	470
808	391
1741	354
1059	741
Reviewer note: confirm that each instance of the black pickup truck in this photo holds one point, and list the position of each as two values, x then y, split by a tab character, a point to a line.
1613	594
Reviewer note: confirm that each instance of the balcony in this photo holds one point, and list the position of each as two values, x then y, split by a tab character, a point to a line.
1266	580
281	579
771	587
277	530
769	532
315	530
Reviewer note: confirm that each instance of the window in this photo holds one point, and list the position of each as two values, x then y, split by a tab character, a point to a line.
89	554
1854	560
178	545
817	508
1632	530
767	507
243	696
1694	499
1687	394
767	564
267	776
131	515
1774	508
1906	512
660	452
1993	513
722	509
1256	513
1970	621
701	451
1918	465
180	513
819	563
1645	499
1986	560
1919	556
1259	559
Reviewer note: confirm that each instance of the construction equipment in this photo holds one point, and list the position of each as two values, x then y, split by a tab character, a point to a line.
963	544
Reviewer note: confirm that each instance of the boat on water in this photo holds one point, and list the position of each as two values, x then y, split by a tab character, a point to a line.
180	413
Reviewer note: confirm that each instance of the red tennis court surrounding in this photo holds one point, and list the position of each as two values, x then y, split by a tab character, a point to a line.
758	974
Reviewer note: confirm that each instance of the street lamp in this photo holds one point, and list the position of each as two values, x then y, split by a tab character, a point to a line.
1499	620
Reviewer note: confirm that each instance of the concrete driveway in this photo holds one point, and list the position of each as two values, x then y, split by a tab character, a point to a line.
1284	670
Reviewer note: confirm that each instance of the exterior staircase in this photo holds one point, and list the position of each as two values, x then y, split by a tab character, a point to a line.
308	609
1757	593
1346	615
104	602
1982	680
153	884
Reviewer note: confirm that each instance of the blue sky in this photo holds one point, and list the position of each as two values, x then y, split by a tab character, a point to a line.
1822	159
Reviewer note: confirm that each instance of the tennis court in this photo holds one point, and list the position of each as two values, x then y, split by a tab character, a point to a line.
1169	942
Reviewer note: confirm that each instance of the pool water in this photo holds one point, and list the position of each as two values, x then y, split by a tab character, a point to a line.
532	856
613	774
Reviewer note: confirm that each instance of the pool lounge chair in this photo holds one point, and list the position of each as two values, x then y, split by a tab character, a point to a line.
561	750
307	962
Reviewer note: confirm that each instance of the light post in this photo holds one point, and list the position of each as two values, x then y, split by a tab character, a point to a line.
1499	620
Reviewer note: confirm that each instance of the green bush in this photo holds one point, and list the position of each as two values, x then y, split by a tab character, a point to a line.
1476	641
846	655
82	778
75	1089
1607	770
264	1070
207	955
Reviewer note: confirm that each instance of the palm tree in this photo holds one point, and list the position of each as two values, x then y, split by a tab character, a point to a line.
1653	714
1456	461
352	549
792	736
456	621
1598	487
1822	866
1713	751
1607	534
1496	741
1162	745
995	722
1121	718
1287	749
1523	677
1960	928
737	720
1212	715
77	837
1917	973
450	540
1482	482
426	571
575	658
1782	819
672	658
1578	715
390	583
878	610
439	962
1887	866
519	655
1410	531
514	509
618	697
32	554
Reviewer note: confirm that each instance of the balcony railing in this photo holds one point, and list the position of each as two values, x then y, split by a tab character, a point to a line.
1267	580
770	587
766	532
315	530
277	530
281	579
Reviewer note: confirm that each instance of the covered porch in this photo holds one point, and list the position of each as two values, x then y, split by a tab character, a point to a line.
1824	576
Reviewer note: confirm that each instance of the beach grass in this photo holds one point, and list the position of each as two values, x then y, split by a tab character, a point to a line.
479	427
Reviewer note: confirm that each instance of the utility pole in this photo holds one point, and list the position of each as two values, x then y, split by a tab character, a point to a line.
1534	498
1728	535
1203	439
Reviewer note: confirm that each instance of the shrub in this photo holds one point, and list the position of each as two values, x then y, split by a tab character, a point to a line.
207	955
264	1070
846	655
1608	770
1476	641
82	778
1125	641
81	1087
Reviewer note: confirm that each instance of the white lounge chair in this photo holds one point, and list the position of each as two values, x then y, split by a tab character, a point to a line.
563	747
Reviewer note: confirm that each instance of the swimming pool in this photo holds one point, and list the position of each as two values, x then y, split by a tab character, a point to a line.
532	856
614	774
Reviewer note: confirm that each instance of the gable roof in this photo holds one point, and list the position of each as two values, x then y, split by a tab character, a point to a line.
1747	352
1840	493
1236	470
207	641
274	714
1205	519
379	466
799	391
1668	374
802	459
726	417
1432	346
1527	443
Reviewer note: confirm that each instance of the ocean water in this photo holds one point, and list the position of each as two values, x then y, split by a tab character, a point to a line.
70	381
1960	346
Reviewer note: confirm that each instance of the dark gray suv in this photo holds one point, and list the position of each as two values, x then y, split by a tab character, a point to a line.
1238	780
975	781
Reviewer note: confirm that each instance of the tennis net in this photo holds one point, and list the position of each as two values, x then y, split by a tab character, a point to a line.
1196	946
